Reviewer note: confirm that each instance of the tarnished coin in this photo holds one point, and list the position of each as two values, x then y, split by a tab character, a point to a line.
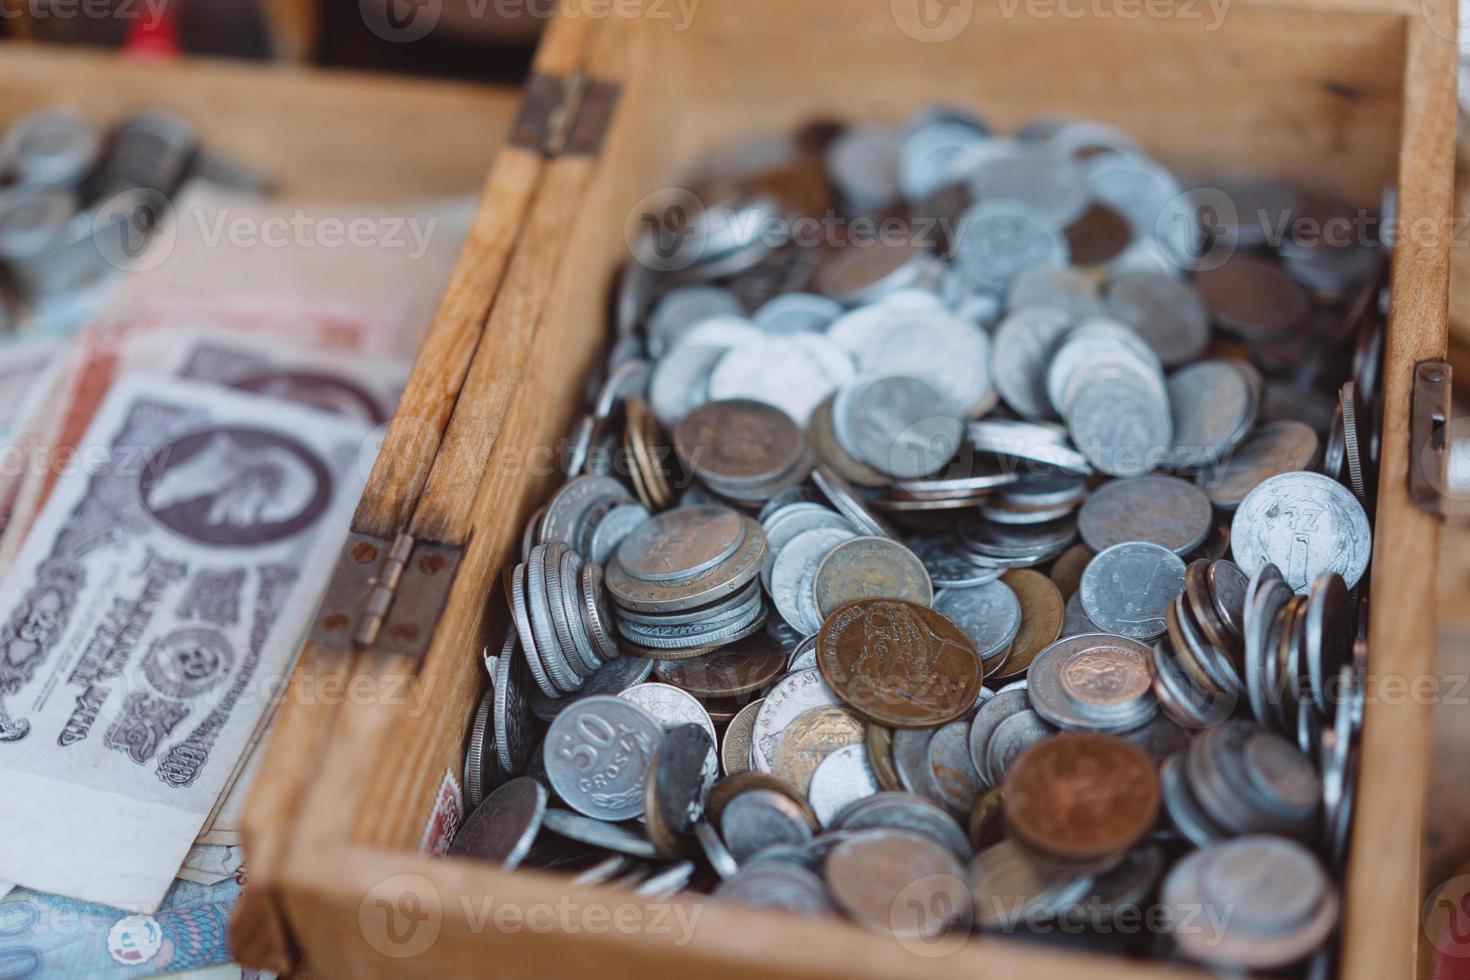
911	762
896	424
1042	614
621	838
1214	405
614	677
1304	524
870	568
830	451
1082	799
785	524
615	525
709	586
950	766
1066	290
810	738
681	543
1076	622
848	503
878	746
1165	311
774	885
597	752
567	510
503	826
512	714
742	667
759	818
793	576
683	770
905	811
1094	682
990	615
740	444
898	663
1252	298
841	778
1067	570
1010	887
670	706
1163	509
987	720
735	747
1013	736
793	695
1273	448
898	883
1127	588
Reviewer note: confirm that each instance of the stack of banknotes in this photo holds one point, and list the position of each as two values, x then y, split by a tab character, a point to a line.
178	473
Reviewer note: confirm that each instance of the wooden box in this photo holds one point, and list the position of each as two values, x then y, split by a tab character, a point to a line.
1344	95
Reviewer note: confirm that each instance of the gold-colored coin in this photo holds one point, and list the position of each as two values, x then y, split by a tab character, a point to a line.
987	825
643	438
1067	570
1043	612
813	736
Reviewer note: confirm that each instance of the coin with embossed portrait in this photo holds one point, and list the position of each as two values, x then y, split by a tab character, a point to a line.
870	568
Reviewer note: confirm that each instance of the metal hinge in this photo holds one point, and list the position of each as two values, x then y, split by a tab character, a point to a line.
1429	452
386	594
564	115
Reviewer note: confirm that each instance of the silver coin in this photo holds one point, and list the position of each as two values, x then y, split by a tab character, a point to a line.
1010	889
52	148
1033	542
597	752
1304	524
793	695
481	770
794	373
905	811
1024	343
512	713
686	307
1184	811
738	606
703	589
949	566
787	523
987	719
797	313
998	240
1127	588
933	155
681	543
1030	442
1065	290
862	163
760	818
1165	311
796	566
1075	622
715	851
777	886
615	525
1165	510
870	567
989	614
1120	424
599	833
1033	175
1094	682
573	502
503	827
1214	406
571	628
911	762
954	775
1184	701
897	425
614	677
694	636
1013	736
842	496
927	342
521	616
1095	344
672	706
558	664
839	779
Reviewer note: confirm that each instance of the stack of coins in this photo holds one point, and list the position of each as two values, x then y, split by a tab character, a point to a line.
974	585
685	582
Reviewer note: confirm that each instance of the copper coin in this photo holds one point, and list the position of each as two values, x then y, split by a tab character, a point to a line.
739	441
898	883
1098	236
735	746
1252	298
1081	798
813	736
1067	570
898	663
743	666
1042	614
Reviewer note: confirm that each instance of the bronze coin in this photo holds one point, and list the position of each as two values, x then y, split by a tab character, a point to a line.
878	741
743	666
1252	298
1042	614
809	739
1067	570
898	663
1202	604
1081	798
987	825
735	746
739	441
1098	236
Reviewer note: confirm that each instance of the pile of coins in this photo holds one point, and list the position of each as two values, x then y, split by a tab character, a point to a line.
977	584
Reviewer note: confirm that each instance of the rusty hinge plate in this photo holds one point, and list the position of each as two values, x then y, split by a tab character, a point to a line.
1428	449
564	115
385	594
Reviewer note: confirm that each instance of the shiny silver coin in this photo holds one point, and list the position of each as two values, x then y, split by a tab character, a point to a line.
565	591
693	636
797	313
803	656
684	308
619	522
839	779
738	605
1162	509
786	523
922	340
906	811
896	424
911	762
794	373
1013	736
1032	542
1127	588
1304	524
998	240
1118	421
760	818
989	614
599	833
715	852
1097	344
572	504
521	616
562	665
596	754
794	574
1029	442
503	827
1094	682
987	719
1166	312
614	677
671	706
1265	597
1214	405
777	886
793	695
482	771
512	712
848	503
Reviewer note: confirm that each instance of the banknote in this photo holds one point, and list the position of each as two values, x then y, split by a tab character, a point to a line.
209	863
25	366
49	937
150	622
